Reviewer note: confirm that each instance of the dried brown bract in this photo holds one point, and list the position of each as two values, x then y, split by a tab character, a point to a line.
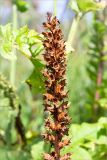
55	99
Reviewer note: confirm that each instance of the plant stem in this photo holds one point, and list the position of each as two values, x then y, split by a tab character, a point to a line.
73	29
13	61
100	67
55	7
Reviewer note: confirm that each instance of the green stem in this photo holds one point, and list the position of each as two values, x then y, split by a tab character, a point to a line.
55	7
13	61
73	29
12	71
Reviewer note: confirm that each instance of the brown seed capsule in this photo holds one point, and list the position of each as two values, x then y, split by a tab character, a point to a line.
55	98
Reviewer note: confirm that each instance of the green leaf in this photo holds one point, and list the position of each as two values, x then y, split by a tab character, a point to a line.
103	102
15	153
103	121
36	80
105	57
35	43
21	5
73	5
90	5
8	131
85	131
29	42
22	40
7	41
79	153
37	151
102	140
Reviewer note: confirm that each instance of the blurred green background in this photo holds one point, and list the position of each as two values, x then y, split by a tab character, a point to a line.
21	81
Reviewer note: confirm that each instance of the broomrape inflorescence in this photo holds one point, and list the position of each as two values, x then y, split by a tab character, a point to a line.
55	99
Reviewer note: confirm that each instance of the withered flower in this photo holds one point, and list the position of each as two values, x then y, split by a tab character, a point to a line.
55	99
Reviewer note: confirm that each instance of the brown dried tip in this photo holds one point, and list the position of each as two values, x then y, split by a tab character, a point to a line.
55	98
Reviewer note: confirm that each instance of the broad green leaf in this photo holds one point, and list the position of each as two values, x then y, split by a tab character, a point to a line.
102	140
36	80
37	151
90	5
79	153
85	131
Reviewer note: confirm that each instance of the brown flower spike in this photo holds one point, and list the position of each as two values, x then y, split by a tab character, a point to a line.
55	99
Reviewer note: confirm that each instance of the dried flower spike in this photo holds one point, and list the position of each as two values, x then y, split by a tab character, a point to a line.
55	99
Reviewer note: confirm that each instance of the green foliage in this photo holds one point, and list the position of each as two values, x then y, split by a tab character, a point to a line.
90	5
74	6
77	87
7	93
36	78
88	140
96	67
27	41
7	41
11	154
37	151
8	108
21	5
86	6
30	44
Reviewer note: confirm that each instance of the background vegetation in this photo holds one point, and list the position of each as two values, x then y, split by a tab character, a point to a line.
22	83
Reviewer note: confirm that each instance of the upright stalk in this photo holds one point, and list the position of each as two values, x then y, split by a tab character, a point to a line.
13	61
73	29
100	71
55	98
